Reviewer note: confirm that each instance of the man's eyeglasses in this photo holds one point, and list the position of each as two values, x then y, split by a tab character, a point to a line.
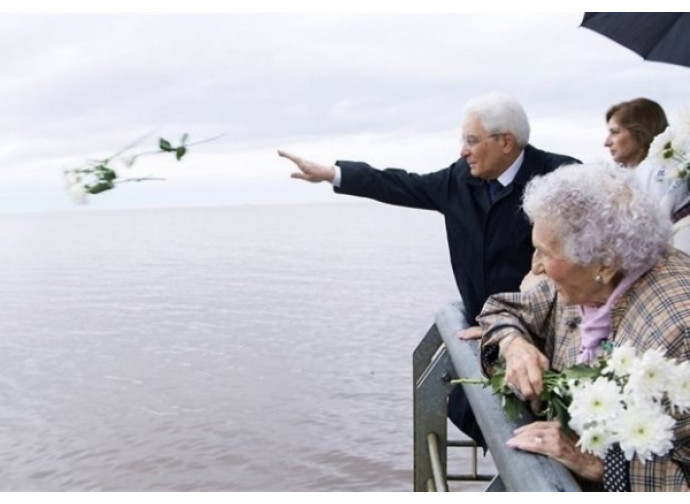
471	140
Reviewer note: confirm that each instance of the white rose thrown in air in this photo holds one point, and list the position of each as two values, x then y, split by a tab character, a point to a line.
78	193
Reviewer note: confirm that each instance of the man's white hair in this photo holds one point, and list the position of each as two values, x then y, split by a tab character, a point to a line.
500	113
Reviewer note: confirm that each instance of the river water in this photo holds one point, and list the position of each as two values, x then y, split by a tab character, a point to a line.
255	348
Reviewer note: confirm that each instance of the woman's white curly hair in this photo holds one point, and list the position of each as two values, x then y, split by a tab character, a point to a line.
601	214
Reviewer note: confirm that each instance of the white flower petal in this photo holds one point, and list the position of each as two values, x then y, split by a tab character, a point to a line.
645	431
622	360
596	439
651	376
78	194
595	402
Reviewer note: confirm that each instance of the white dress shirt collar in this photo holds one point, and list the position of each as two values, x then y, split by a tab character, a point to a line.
507	176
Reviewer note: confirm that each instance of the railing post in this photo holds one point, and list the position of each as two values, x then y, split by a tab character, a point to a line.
432	371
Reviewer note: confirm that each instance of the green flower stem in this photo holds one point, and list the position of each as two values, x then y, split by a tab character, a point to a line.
471	381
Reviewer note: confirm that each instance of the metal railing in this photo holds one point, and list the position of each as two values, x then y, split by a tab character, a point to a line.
438	358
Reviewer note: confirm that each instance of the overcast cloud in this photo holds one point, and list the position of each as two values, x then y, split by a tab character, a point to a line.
385	88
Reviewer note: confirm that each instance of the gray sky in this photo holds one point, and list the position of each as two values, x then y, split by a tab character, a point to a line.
385	88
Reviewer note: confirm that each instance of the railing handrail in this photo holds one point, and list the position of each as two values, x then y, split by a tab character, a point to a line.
520	471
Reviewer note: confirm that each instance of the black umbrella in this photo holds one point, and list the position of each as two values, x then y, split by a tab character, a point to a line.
656	36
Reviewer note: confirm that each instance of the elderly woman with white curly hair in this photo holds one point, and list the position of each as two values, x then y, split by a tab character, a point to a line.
611	275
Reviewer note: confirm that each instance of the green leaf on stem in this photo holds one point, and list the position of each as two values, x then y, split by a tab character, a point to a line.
512	406
165	145
107	174
579	371
100	187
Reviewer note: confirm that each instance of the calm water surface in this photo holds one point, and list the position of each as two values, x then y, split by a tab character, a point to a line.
222	349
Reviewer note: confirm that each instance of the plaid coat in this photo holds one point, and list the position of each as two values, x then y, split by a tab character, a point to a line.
653	313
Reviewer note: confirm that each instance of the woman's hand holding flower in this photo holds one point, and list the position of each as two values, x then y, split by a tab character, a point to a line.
525	366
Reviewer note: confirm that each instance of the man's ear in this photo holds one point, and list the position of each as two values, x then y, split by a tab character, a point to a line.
509	142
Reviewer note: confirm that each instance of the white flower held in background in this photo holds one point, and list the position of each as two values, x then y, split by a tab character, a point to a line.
671	150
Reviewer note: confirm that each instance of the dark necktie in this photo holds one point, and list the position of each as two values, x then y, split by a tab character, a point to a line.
494	188
616	470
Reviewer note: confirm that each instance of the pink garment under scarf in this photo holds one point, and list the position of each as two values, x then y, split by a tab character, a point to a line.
596	320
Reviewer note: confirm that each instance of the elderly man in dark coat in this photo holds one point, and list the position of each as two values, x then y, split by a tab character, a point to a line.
479	196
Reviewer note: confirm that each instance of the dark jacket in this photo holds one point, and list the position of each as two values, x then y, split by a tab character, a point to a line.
490	244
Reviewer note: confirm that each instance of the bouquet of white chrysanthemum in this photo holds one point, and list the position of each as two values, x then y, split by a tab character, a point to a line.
630	403
623	398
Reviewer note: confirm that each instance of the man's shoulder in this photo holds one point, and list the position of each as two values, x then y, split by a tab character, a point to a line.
541	161
556	160
460	167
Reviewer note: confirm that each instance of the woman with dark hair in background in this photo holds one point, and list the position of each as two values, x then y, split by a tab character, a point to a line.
632	126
